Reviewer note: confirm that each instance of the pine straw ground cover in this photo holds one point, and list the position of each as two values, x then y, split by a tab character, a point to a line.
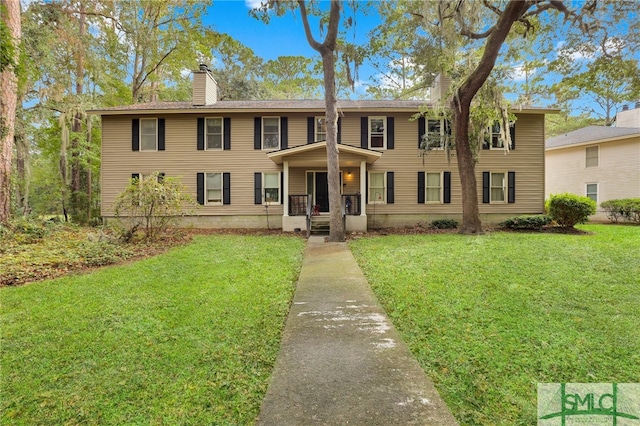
187	337
491	316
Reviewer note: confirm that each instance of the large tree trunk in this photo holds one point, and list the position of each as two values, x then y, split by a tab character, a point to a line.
76	123
461	106
336	224
9	86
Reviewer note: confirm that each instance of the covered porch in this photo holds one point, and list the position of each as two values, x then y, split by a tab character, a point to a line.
305	192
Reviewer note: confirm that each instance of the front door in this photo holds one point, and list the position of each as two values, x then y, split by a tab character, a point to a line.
322	191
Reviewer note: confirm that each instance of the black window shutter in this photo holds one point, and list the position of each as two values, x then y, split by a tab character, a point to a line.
200	133
422	129
257	188
226	188
364	132
257	133
512	131
339	130
311	129
421	187
281	187
390	133
160	134
135	134
446	198
485	187
227	133
200	187
511	187
284	133
390	189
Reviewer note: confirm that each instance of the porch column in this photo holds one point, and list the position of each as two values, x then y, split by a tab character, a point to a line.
285	189
363	188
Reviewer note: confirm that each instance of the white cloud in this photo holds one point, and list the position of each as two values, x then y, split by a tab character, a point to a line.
253	4
519	73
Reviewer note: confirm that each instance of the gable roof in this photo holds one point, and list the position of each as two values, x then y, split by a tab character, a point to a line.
591	134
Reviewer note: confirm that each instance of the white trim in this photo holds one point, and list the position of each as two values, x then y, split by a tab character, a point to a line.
206	134
586	149
384	132
363	188
155	120
206	191
279	133
505	187
382	198
440	187
285	190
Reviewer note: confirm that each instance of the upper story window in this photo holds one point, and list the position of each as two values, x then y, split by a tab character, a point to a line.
377	132
148	134
214	128
270	132
493	137
435	134
321	129
591	156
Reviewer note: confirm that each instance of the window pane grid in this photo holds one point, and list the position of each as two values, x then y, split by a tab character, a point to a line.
272	187
271	133
498	187
214	133
214	188
376	132
592	156
376	187
433	187
321	129
592	191
148	134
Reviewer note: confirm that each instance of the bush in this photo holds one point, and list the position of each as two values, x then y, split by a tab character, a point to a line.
567	210
99	253
534	223
626	208
444	224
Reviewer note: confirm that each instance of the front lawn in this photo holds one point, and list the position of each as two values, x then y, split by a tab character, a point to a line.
491	316
188	337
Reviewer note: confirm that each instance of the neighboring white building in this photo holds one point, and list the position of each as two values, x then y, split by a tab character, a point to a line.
600	162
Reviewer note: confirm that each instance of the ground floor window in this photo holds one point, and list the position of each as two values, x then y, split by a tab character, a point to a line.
272	188
592	191
213	188
433	186
377	187
498	187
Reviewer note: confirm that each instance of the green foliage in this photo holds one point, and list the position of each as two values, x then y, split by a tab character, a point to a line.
534	223
490	316
444	224
626	208
152	204
7	45
188	337
567	210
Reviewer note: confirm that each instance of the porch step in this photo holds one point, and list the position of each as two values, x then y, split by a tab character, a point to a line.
320	225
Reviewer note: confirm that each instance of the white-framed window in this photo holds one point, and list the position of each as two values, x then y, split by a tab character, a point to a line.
433	185
377	187
435	134
214	132
493	137
270	133
592	191
498	187
378	132
591	156
271	188
320	129
148	134
213	189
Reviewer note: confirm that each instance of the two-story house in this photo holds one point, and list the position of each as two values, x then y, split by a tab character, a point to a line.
247	162
600	162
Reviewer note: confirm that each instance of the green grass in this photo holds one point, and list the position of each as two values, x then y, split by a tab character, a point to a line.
489	317
188	337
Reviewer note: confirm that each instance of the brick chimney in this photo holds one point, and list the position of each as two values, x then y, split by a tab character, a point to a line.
205	88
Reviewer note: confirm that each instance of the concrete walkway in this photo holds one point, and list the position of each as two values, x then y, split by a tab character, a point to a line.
341	362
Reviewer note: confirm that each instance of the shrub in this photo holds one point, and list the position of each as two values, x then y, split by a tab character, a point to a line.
444	224
534	223
567	210
151	205
99	253
626	208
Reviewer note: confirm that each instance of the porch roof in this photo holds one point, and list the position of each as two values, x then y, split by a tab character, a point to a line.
315	154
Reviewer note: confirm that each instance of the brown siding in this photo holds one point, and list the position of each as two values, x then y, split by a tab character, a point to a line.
182	159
